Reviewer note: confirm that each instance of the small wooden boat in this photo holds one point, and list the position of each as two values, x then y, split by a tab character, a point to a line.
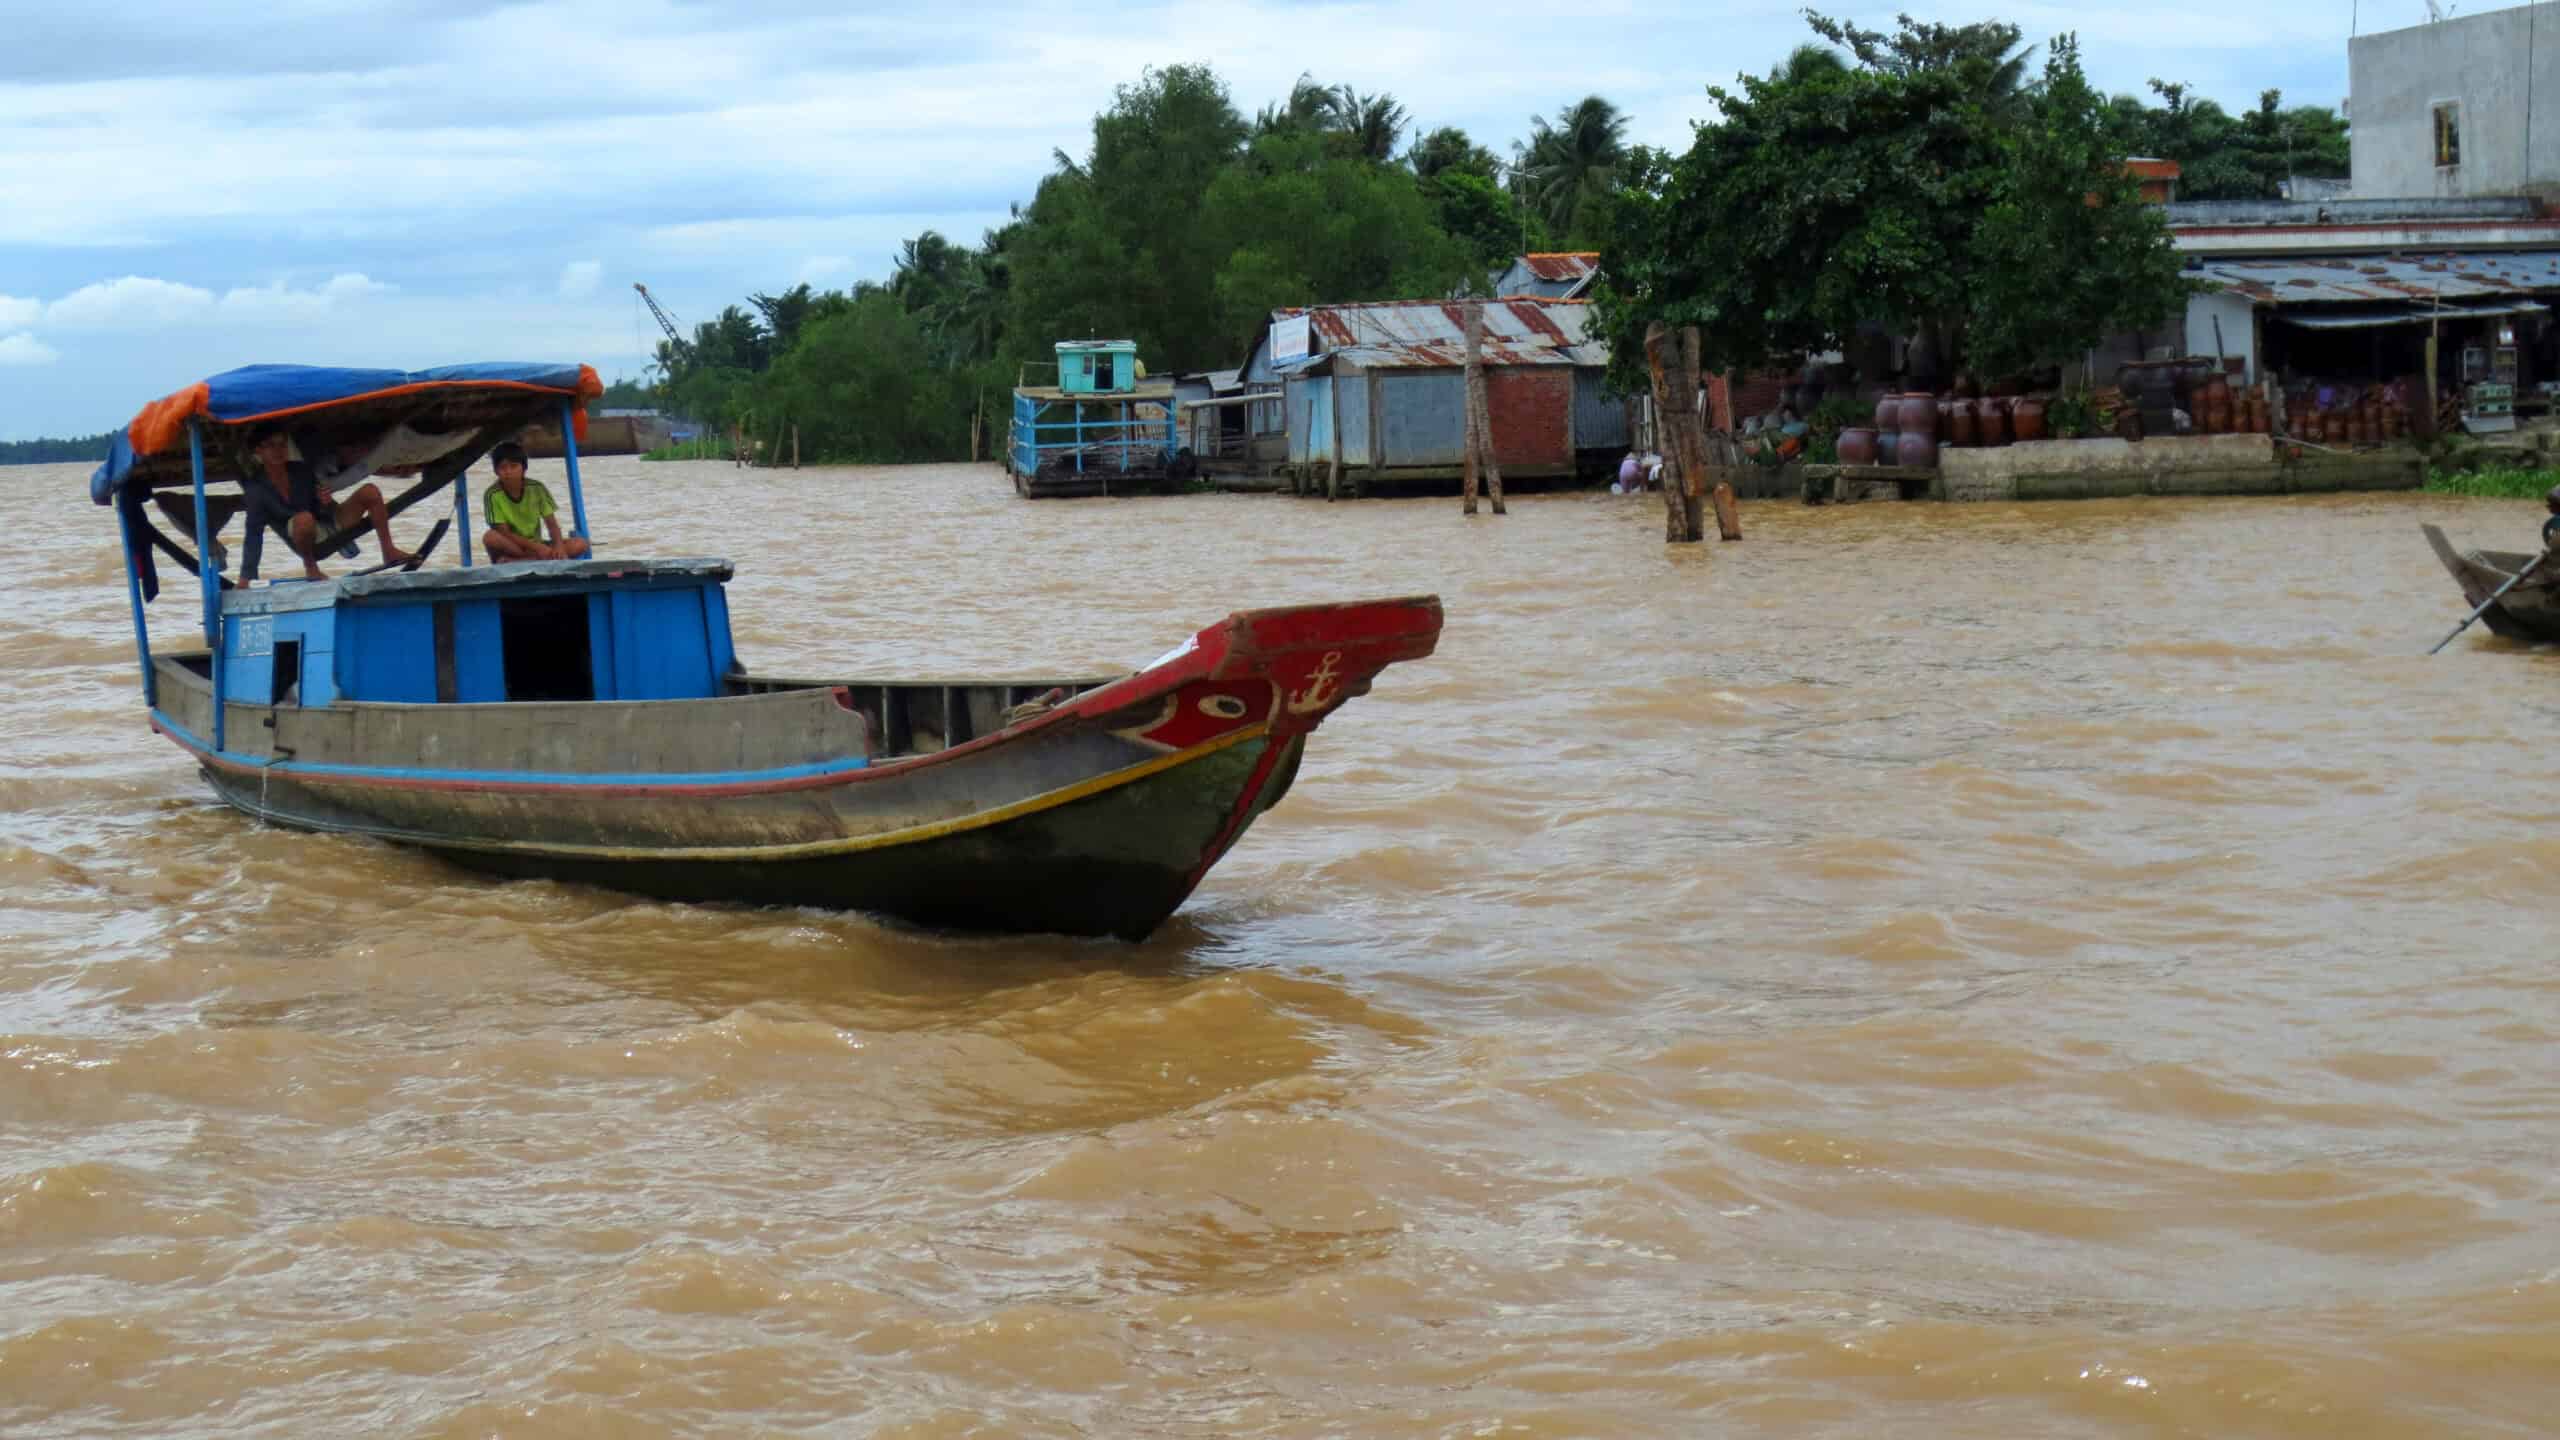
2530	611
588	719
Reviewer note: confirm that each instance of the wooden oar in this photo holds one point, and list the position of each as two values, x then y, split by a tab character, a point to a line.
2512	581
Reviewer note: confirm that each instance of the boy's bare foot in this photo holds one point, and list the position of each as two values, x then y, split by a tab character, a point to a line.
397	557
314	572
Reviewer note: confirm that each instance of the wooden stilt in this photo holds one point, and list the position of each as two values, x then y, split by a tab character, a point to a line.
795	444
1673	399
1475	338
1717	454
1480	455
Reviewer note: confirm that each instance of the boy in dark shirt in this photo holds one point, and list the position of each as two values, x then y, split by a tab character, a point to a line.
284	494
2551	527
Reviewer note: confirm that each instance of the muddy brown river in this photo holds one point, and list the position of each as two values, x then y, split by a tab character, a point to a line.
1925	970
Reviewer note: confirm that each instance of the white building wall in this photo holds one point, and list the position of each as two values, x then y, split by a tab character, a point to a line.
2239	328
2492	66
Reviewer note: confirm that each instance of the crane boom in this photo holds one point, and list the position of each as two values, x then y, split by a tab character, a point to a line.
664	323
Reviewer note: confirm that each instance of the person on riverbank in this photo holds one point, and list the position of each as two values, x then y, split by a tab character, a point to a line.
2551	527
287	496
521	511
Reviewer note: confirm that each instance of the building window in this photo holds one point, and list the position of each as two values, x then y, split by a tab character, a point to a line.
2448	134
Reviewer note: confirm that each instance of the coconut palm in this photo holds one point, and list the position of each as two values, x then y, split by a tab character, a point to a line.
1372	122
1563	166
1809	62
1310	107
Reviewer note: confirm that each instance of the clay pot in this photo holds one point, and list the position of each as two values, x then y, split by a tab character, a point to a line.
1962	427
1946	419
1918	412
1918	447
1991	420
1888	446
2026	418
1857	446
1888	411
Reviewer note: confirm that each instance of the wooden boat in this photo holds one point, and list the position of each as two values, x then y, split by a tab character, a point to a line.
2531	611
589	720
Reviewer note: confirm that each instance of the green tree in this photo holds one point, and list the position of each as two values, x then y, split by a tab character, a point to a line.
1565	168
1908	192
861	386
1448	148
1482	216
2225	157
1301	220
1114	246
1372	123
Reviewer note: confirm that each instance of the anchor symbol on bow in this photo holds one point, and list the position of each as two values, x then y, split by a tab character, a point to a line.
1322	686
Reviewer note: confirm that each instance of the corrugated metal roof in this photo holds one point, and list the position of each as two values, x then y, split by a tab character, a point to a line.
1562	264
1407	334
2408	315
2353	278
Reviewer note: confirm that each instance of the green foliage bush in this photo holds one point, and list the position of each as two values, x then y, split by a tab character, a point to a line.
2496	482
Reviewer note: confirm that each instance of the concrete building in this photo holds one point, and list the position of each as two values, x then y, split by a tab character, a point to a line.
2458	107
2349	287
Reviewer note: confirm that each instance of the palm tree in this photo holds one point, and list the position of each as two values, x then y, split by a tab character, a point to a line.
1373	122
1563	166
1310	106
1809	62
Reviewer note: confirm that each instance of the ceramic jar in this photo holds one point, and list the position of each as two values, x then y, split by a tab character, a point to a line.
1992	421
1857	446
2026	418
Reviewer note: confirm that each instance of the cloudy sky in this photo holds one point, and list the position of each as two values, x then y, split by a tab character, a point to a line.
188	186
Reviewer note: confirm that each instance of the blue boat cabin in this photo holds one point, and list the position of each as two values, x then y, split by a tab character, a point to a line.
562	630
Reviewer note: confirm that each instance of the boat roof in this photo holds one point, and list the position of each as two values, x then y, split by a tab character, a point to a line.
1151	390
282	596
428	417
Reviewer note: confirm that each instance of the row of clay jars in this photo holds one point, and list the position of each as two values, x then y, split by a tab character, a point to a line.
1967	423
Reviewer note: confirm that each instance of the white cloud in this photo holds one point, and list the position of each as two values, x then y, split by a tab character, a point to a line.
25	349
134	302
17	314
578	278
282	301
818	269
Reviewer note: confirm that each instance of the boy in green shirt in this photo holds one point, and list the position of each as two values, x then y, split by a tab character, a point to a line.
520	511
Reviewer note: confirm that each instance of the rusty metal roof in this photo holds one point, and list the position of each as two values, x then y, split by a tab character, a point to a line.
2366	278
1562	264
1431	334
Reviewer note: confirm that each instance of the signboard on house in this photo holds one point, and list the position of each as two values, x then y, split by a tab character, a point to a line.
1288	338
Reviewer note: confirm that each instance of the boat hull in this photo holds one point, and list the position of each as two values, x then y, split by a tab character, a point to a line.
1095	814
2530	611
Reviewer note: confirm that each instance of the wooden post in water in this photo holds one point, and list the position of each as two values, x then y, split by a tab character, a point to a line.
1672	435
1467	400
795	444
1479	426
1716	452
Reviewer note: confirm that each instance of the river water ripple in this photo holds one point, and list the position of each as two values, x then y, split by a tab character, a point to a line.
2060	970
